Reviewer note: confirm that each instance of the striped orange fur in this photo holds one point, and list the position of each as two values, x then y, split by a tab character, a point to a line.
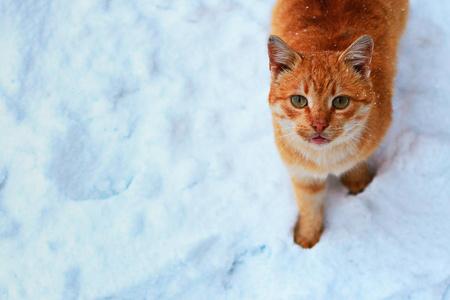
337	57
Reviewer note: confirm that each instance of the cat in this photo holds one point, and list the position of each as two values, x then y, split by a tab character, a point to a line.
332	65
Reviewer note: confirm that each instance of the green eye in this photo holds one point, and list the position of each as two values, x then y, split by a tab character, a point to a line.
341	102
299	101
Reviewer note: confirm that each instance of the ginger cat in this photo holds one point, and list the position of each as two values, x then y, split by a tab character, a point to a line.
332	65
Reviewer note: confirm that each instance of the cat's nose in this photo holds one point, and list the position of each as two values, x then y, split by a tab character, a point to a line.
319	127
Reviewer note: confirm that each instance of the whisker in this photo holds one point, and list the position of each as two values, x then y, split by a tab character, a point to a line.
285	135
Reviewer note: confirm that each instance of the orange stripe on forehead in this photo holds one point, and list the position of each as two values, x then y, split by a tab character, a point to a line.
327	85
316	84
334	88
322	85
306	87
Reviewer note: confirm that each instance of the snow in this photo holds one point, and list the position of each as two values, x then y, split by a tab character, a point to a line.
138	162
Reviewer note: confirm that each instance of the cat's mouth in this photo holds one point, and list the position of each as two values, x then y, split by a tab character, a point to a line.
319	140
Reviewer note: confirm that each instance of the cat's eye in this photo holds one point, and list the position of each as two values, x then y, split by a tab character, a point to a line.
299	101
341	102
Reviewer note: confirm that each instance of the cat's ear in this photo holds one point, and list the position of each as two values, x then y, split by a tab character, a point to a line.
359	55
282	57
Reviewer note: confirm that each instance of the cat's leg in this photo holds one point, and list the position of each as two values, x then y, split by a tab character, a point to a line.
357	178
310	195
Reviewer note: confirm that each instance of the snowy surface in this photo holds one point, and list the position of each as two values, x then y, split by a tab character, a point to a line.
137	161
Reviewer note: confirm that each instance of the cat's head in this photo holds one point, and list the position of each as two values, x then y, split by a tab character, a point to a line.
321	99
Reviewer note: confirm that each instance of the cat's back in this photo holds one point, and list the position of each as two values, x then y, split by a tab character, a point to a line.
317	25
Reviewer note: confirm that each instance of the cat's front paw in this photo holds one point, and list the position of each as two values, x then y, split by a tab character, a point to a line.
357	179
357	186
306	238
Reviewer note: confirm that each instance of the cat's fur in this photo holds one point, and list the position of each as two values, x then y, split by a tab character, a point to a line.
322	49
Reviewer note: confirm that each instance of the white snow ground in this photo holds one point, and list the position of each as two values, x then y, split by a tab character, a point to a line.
137	161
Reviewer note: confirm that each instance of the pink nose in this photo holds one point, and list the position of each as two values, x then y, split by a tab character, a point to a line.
319	127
